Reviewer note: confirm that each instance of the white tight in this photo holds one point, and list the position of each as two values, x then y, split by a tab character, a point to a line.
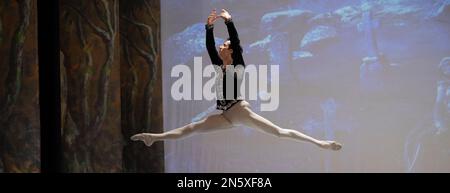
239	114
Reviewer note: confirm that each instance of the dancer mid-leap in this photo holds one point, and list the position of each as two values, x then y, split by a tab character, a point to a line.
235	111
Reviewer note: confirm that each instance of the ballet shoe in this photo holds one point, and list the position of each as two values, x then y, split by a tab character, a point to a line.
331	145
146	138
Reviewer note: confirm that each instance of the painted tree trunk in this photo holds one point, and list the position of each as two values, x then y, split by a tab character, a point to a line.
19	89
141	92
90	70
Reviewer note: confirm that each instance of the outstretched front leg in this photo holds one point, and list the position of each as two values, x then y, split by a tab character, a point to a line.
210	123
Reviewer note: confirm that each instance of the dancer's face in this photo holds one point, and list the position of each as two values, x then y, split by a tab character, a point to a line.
225	51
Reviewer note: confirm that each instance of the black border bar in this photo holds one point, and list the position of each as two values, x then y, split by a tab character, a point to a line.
49	85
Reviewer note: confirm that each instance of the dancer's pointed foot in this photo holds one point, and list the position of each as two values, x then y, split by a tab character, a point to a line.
333	145
147	138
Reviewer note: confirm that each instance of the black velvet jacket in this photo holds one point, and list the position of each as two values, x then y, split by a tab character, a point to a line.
223	104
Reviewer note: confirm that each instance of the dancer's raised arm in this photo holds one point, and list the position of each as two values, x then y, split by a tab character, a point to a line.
210	43
232	32
235	43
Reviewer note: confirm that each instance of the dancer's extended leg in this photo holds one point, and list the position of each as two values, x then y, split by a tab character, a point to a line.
210	123
242	114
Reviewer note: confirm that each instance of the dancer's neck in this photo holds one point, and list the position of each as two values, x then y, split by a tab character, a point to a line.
227	62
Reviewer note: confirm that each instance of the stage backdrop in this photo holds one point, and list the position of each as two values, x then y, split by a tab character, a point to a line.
372	75
19	87
110	85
